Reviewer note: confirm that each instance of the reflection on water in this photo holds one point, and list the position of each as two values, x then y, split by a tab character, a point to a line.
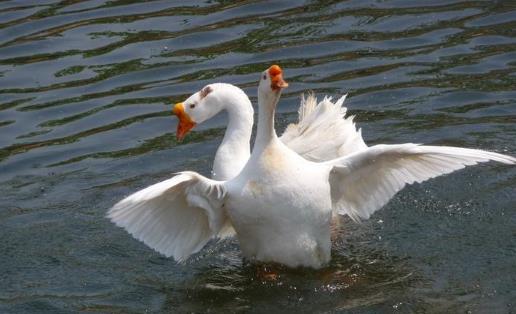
356	278
86	89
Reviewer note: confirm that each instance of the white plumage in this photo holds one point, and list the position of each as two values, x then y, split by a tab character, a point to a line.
281	204
321	133
365	181
176	217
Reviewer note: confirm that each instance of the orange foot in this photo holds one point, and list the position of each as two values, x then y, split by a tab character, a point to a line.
266	273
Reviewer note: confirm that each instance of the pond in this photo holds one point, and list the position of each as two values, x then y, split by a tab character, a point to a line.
86	93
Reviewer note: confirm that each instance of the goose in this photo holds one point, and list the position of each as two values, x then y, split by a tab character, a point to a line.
281	204
322	132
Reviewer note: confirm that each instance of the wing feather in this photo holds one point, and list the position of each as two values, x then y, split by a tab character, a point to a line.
175	217
323	133
363	182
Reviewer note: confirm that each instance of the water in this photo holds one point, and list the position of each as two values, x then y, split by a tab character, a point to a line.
85	97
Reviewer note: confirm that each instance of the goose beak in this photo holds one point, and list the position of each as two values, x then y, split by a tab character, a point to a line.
277	81
185	122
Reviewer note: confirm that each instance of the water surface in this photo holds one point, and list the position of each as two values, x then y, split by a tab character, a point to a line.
86	89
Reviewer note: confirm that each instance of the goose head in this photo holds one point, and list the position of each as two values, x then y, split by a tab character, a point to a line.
271	84
206	103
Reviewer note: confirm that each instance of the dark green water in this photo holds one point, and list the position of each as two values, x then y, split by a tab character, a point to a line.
86	89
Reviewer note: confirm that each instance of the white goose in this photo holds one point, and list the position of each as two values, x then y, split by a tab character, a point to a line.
281	204
322	132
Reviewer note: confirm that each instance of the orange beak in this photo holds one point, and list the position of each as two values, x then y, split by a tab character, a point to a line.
277	81
185	122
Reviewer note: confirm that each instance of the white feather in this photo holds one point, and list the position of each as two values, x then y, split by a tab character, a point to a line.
323	132
175	217
281	205
363	182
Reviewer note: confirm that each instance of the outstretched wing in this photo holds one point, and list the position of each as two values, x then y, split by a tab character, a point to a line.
175	217
363	182
322	132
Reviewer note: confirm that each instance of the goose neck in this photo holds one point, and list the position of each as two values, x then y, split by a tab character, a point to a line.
266	110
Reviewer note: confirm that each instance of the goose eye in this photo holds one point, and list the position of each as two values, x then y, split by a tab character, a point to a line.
264	77
192	106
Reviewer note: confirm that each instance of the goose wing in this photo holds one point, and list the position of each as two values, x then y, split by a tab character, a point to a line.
175	217
323	132
363	182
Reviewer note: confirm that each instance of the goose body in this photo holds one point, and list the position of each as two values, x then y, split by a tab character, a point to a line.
266	208
281	204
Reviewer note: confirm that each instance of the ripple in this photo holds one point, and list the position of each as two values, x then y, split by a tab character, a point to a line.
86	89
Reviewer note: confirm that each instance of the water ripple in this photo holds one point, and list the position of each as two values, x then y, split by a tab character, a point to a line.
86	89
